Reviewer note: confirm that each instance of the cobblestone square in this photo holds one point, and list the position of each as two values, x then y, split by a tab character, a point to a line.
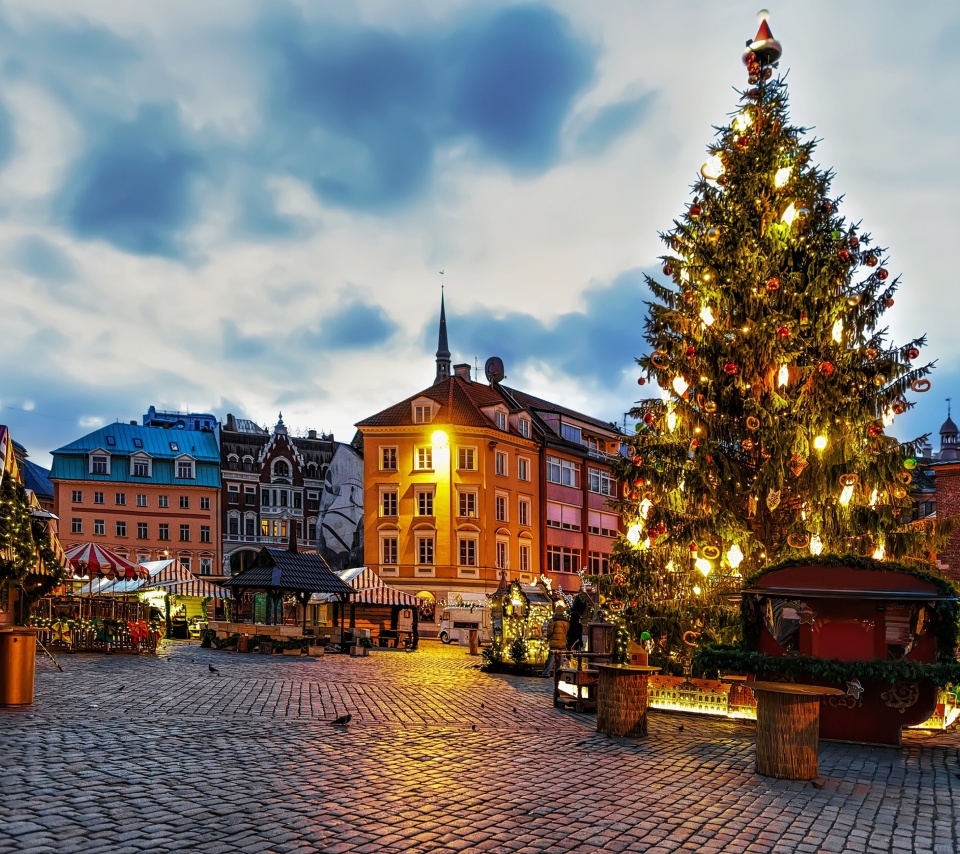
155	754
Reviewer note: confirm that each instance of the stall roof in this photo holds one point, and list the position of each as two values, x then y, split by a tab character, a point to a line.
819	593
368	589
283	570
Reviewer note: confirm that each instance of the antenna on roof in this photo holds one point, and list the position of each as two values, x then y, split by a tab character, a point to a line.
948	407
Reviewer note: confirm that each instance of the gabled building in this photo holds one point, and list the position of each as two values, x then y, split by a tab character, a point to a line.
275	484
468	483
148	493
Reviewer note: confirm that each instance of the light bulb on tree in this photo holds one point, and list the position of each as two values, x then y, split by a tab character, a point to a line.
782	176
820	443
703	566
706	315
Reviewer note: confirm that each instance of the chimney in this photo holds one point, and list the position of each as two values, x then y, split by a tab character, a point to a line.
462	371
292	545
133	423
311	434
231	422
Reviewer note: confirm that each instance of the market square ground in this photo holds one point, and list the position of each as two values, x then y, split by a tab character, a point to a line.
154	754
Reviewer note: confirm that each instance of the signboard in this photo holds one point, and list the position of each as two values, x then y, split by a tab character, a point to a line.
405	620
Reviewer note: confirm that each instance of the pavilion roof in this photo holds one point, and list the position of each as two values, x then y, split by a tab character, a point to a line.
286	571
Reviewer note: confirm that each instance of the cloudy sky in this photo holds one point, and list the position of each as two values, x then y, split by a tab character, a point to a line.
240	206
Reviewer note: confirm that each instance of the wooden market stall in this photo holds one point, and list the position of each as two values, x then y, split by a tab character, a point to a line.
519	612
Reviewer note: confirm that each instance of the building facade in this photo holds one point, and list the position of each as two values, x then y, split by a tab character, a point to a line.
148	493
274	483
469	483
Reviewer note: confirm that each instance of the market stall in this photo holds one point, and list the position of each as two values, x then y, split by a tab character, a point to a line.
518	613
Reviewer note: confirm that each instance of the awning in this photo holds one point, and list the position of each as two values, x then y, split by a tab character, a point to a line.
369	589
195	587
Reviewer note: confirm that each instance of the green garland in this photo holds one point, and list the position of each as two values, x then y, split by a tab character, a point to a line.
233	641
709	660
945	623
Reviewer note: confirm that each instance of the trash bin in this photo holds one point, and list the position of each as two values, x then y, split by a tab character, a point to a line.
266	647
243	643
474	642
18	661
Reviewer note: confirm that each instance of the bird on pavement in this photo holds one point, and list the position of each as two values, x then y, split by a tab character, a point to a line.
121	687
212	669
343	720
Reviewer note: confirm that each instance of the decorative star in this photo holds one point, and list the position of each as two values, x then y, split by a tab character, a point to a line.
854	689
807	616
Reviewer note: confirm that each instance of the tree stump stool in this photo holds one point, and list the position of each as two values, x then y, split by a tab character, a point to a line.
622	699
788	729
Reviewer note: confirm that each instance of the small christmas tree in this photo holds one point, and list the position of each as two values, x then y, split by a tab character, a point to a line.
778	385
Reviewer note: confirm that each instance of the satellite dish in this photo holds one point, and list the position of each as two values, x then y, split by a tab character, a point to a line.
494	369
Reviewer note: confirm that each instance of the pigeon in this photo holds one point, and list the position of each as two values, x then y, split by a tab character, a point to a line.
343	720
481	705
473	727
121	687
817	784
680	728
212	669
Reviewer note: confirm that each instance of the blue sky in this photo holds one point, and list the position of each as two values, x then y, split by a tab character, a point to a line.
244	206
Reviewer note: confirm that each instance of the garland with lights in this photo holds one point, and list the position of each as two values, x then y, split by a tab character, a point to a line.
777	386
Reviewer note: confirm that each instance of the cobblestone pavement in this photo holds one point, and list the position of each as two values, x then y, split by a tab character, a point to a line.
159	754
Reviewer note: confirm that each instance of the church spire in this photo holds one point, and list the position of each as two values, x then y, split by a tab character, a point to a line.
443	350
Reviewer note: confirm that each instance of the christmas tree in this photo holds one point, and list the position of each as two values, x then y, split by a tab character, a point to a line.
778	384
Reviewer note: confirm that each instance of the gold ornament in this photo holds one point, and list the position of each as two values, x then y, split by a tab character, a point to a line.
773	499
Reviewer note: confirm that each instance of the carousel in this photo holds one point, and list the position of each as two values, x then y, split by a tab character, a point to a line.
104	614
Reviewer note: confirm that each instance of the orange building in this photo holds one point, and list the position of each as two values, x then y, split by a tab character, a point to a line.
468	483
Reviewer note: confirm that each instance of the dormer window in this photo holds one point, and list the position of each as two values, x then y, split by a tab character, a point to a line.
140	465
422	414
571	433
185	469
500	419
137	442
111	441
281	471
99	462
523	428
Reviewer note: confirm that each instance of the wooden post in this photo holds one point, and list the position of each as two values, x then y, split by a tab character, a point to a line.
622	699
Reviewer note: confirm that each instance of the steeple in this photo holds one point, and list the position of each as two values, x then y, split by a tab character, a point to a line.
443	351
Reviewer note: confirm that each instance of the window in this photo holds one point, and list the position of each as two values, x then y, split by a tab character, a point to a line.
561	471
523	513
233	493
204	533
184	533
99	527
297	500
424	458
141	467
121	529
206	566
142	532
467	504
571	433
233	462
523	427
425	551
77	497
500	463
602	482
250	525
501	554
562	559
500	419
388	459
184	502
598	562
467	459
174	447
281	469
111	441
604	524
424	502
311	529
163	501
141	500
313	501
204	503
523	468
468	552
76	525
422	414
501	508
185	562
264	498
98	498
388	502
185	469
564	516
120	498
137	442
524	557
233	525
388	550
163	532
99	464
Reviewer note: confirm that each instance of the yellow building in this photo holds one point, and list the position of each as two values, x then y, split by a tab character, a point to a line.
459	488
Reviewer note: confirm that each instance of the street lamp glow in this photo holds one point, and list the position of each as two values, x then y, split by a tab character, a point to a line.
439	439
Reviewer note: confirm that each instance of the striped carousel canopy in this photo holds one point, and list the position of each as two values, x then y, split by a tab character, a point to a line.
96	560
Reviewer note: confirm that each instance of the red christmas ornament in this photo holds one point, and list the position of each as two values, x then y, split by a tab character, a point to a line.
743	141
890	303
641	381
826	368
899	408
913	353
870	260
653	533
844	255
854	241
826	207
648	418
773	283
749	58
690	352
783	331
661	528
730	368
874	430
753	94
667	270
694	211
638	481
688	296
882	274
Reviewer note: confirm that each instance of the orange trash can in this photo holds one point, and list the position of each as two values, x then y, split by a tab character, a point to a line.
18	662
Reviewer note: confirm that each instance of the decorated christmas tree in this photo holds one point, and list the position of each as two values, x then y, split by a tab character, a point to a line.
778	384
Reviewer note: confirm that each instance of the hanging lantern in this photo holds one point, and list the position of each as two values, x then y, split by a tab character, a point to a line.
633	534
671	420
713	168
680	385
742	121
734	556
879	553
783	376
782	176
789	214
837	331
703	566
816	544
706	315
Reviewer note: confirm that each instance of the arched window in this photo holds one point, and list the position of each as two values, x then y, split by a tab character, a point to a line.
233	462
281	469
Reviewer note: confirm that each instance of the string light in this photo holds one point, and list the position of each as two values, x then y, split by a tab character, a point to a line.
789	214
838	331
706	315
783	376
816	544
820	443
782	176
